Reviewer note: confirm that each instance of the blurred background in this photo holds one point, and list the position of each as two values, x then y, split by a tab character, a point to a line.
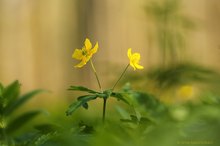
38	37
179	43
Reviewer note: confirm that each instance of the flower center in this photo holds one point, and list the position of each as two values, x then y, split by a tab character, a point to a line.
84	53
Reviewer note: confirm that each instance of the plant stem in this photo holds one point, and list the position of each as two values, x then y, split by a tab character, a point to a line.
104	109
97	78
100	87
120	77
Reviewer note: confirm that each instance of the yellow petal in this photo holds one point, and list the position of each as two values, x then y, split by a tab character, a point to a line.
81	64
77	54
136	56
139	66
129	53
88	44
95	49
132	65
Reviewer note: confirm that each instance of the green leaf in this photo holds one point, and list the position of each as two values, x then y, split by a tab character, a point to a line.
47	128
133	119
2	101
81	88
44	138
85	105
122	112
146	120
82	101
85	129
20	101
11	92
119	96
180	74
1	90
21	120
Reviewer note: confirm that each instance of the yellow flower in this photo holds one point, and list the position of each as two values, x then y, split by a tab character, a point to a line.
134	59
85	54
185	91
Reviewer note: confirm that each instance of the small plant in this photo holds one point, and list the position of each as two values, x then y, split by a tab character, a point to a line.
10	101
85	55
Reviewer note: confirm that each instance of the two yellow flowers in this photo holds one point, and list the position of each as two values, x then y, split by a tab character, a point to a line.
85	54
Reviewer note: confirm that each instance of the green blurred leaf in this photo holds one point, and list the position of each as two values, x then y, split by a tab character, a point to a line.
181	74
26	139
85	129
47	128
82	88
82	101
133	119
44	138
11	92
2	101
122	112
146	120
119	96
20	101
1	90
21	120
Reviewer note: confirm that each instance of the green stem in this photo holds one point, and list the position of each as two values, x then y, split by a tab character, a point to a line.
100	87
120	77
104	109
97	78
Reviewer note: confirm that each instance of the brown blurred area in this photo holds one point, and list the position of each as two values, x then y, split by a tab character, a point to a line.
37	39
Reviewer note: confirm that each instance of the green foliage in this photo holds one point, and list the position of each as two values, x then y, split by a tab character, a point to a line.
10	101
148	121
84	99
184	73
20	101
21	120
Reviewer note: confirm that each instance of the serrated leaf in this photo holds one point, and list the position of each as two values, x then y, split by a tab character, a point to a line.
82	88
21	120
82	100
20	101
119	96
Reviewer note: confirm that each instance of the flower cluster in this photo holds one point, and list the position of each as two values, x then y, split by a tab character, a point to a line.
86	53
